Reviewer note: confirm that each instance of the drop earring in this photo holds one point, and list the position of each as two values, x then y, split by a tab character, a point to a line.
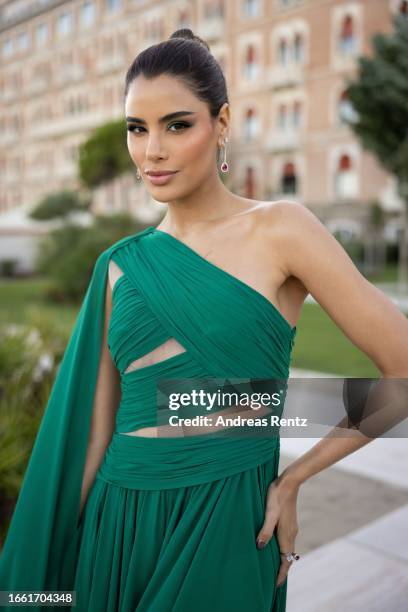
138	175
224	165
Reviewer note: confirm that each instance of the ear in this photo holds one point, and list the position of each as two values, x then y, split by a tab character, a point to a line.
224	119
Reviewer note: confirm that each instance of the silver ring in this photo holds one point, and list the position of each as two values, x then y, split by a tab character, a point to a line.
290	556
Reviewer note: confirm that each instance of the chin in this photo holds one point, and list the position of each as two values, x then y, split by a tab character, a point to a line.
161	197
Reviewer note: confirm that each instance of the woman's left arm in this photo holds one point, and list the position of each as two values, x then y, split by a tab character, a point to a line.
365	315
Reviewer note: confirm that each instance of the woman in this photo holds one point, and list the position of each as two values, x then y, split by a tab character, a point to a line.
129	517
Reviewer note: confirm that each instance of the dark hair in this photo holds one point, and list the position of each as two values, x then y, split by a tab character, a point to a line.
186	56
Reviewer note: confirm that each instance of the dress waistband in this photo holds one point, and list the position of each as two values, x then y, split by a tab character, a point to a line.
140	462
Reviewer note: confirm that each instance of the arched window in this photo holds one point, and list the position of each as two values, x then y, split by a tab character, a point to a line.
347	40
283	52
184	18
345	110
251	124
288	178
344	163
403	8
298	49
213	8
251	8
282	116
297	113
249	182
345	180
251	62
250	54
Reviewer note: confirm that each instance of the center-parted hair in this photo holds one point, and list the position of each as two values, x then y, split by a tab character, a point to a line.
188	57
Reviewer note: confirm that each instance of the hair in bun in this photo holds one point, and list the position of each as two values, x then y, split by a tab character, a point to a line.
189	34
187	57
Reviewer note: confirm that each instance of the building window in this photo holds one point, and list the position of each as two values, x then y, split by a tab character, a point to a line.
251	124
251	8
298	49
345	110
7	48
345	180
283	52
288	179
22	41
282	117
287	4
213	9
184	18
41	34
113	5
87	15
249	185
251	64
297	114
289	117
347	40
64	24
403	8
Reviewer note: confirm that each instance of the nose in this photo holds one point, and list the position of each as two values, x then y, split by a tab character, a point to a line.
154	148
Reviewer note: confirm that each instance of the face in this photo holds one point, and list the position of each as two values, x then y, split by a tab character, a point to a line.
185	142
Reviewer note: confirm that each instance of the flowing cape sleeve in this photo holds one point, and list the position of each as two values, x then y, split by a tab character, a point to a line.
39	552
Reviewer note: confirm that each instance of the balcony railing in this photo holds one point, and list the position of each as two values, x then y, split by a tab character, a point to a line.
70	73
283	140
66	125
284	76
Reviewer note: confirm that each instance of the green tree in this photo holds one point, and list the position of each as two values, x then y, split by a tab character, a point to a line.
68	254
379	96
59	204
104	156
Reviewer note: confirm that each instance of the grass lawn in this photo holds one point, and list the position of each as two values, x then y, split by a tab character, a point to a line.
320	345
24	297
388	275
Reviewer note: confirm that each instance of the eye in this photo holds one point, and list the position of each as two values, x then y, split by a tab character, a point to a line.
183	124
132	128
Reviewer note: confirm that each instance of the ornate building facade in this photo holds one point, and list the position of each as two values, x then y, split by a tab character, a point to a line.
286	63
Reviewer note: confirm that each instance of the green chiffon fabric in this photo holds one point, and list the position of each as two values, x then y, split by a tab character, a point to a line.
170	523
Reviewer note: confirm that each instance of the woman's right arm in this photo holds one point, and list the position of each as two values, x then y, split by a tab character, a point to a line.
107	398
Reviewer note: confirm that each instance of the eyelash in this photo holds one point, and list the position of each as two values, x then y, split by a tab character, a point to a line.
184	124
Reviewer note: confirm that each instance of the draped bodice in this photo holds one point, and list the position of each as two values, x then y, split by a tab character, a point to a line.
167	290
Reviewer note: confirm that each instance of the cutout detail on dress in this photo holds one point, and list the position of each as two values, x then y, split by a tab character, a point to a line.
168	349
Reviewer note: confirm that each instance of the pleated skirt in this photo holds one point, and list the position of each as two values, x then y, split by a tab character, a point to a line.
178	549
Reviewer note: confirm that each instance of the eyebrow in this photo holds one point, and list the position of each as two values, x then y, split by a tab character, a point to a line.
164	118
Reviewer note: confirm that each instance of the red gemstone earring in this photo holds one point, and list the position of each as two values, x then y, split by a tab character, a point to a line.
224	165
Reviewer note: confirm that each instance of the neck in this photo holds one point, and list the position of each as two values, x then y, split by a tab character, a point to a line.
199	208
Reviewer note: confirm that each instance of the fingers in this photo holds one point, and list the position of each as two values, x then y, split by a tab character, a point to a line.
283	571
267	529
286	542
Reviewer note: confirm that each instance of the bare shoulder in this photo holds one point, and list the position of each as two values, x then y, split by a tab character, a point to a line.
309	252
290	215
291	227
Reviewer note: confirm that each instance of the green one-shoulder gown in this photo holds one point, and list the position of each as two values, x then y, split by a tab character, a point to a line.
170	523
